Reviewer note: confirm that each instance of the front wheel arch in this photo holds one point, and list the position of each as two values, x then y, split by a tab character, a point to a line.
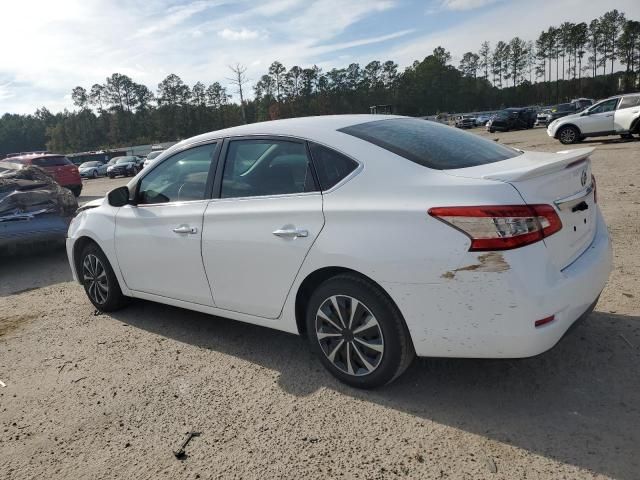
566	126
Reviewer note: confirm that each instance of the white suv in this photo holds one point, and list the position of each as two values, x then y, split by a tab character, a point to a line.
618	115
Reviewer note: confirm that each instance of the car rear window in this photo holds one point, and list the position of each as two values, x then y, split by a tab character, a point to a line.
431	144
50	161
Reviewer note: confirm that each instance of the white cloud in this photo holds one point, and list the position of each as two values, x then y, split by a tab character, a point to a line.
242	34
465	4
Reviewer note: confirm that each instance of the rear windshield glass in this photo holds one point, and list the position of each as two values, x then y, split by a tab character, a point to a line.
431	144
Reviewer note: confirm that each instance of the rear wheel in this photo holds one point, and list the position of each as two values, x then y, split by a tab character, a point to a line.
357	332
100	283
568	135
94	174
627	136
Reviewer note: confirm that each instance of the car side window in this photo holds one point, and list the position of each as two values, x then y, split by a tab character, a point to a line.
630	102
180	178
331	166
608	106
266	167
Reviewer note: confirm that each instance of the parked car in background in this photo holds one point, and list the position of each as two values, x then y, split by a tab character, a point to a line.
465	121
93	169
58	166
618	115
543	116
124	166
482	119
511	119
151	157
470	249
33	207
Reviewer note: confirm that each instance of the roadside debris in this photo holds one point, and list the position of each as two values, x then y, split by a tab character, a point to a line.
2	384
180	453
491	465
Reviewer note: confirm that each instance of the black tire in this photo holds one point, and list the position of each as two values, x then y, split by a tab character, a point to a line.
491	130
389	332
94	174
626	136
76	190
112	176
113	299
568	135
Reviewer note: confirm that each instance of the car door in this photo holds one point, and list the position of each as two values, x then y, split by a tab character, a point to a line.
158	239
257	233
599	118
628	110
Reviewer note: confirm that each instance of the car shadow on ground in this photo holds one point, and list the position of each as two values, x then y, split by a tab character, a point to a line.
578	403
35	266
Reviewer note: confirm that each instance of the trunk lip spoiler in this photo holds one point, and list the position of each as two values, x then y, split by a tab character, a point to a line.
534	164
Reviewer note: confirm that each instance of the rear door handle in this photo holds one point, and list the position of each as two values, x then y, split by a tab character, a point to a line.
185	229
290	233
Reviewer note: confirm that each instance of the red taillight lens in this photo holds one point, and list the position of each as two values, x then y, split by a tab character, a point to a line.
595	189
501	227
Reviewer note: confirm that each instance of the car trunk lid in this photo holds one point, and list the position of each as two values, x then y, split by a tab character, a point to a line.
561	179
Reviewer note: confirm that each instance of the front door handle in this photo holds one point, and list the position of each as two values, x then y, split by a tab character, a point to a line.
185	229
290	233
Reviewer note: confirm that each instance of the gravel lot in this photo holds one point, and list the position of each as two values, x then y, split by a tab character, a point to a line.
111	396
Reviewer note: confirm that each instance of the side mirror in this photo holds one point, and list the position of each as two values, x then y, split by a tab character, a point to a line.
118	197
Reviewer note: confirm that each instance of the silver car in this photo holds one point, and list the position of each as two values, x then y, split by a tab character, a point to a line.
92	169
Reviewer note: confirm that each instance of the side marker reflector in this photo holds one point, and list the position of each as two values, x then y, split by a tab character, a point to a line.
544	321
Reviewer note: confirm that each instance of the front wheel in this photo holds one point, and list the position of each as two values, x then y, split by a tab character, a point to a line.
357	332
568	135
100	283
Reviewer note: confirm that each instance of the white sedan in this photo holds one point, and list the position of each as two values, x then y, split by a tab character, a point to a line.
377	237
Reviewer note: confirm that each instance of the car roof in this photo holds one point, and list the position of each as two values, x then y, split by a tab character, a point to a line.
317	128
33	156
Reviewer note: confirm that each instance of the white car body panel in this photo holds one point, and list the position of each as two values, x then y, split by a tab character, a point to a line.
455	303
249	268
146	244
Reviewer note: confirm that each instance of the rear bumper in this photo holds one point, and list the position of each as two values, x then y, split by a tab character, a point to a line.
493	314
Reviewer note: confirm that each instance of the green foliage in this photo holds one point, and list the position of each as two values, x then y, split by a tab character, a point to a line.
561	64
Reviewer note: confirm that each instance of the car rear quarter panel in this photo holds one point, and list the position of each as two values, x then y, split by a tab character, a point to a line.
378	225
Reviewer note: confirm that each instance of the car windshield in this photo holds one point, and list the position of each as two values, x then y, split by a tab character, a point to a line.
124	160
431	144
90	164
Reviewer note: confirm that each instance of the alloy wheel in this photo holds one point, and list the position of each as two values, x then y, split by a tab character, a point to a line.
349	335
568	135
95	278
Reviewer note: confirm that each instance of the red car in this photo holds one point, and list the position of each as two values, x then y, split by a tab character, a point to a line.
58	166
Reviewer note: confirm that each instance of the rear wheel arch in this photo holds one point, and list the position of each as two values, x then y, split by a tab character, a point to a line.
315	279
635	126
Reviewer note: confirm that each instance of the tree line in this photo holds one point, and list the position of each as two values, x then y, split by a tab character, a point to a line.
570	60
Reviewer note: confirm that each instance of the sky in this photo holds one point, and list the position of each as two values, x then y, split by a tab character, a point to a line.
52	46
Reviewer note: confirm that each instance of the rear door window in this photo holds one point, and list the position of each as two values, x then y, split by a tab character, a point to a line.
50	161
431	144
264	167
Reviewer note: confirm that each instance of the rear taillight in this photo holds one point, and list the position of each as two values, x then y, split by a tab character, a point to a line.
595	189
501	227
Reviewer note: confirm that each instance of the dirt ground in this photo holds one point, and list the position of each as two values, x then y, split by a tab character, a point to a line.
111	396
